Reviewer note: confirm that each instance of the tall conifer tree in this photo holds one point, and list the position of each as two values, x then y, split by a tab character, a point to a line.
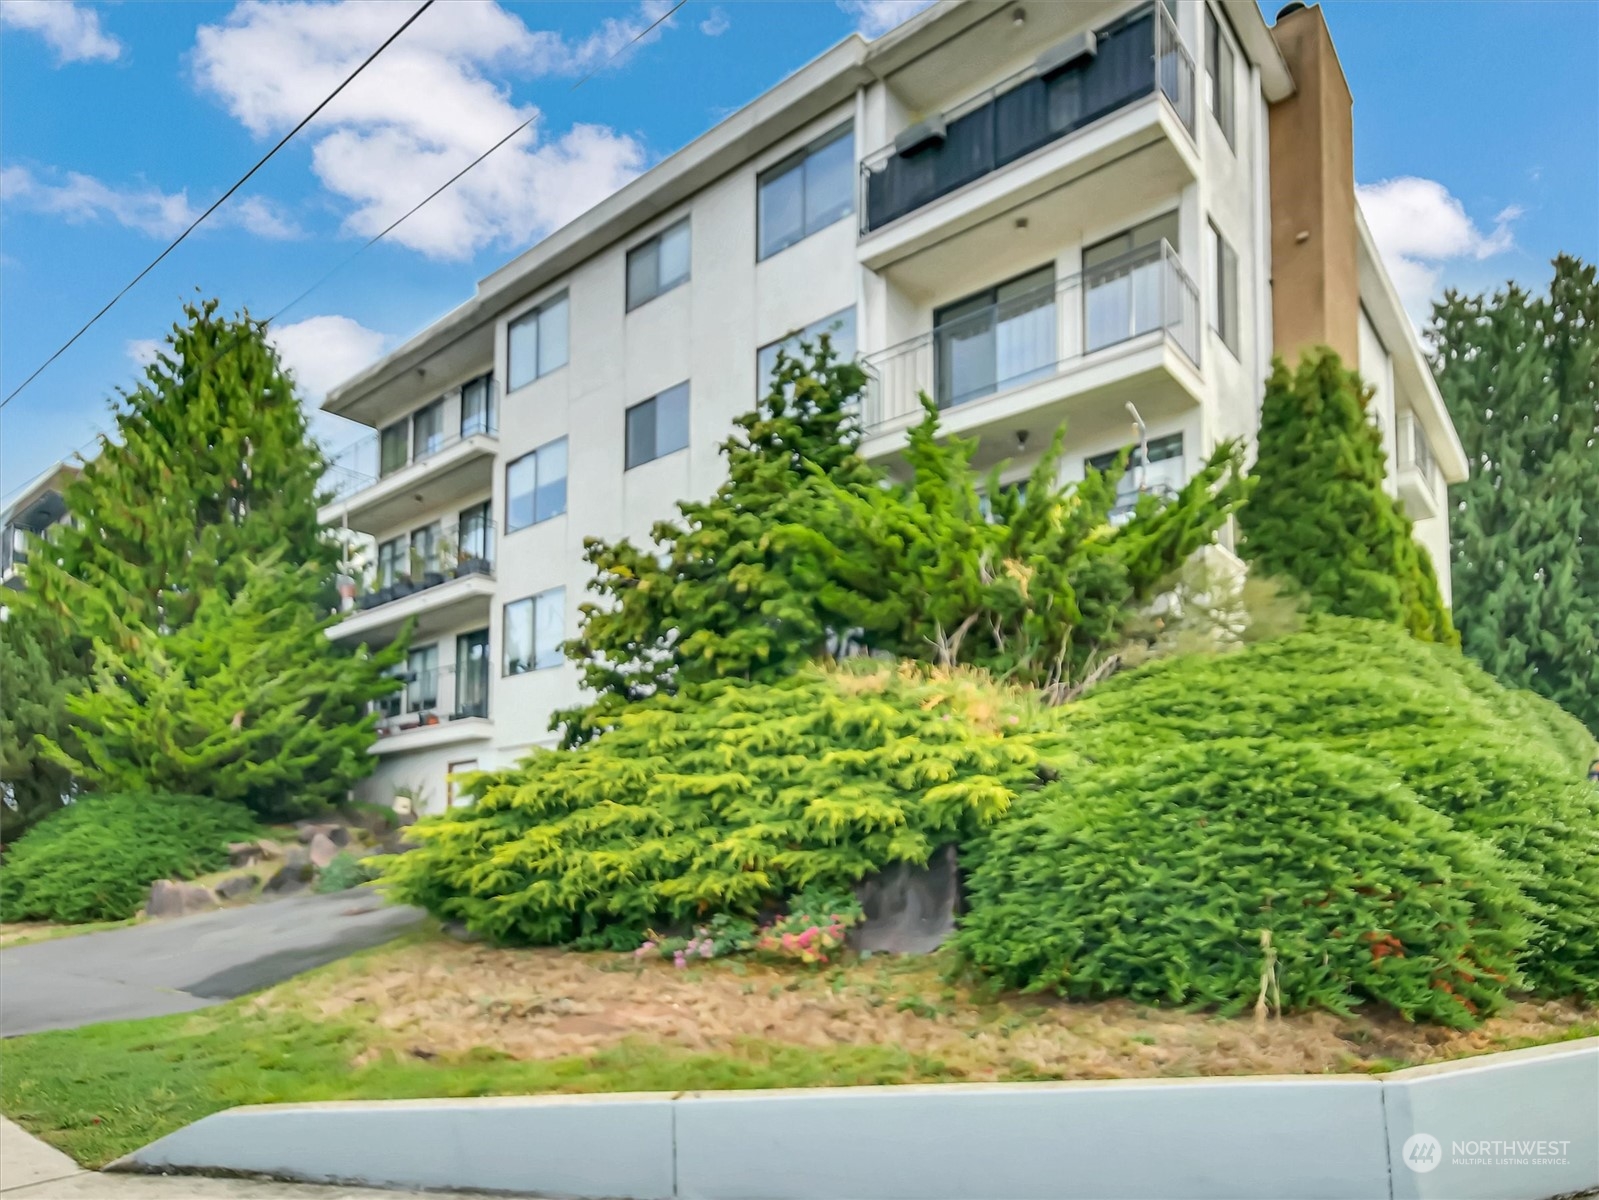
1520	374
1318	518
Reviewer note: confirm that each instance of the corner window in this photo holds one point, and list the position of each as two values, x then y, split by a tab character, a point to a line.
807	192
1224	291
427	430
1219	74
394	447
535	487
477	406
840	329
658	426
536	343
534	631
658	265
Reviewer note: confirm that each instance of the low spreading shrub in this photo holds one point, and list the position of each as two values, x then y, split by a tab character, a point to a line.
96	858
728	803
1154	880
346	871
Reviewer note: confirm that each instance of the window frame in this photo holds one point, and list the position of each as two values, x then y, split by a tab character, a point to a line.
489	420
798	161
654	243
1221	76
792	340
556	596
652	402
537	455
536	317
402	426
1224	316
434	409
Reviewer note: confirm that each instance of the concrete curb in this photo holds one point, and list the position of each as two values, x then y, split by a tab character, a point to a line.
1276	1138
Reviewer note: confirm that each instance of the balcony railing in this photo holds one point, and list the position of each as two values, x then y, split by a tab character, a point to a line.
361	464
457	553
435	696
1130	60
1037	335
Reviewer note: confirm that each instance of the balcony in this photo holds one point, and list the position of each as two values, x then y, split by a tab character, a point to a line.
436	708
1040	348
1418	474
441	585
1070	88
374	488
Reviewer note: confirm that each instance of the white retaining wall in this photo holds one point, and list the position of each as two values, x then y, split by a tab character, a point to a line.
1282	1138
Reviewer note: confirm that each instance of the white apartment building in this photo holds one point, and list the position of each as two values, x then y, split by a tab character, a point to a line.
1035	212
29	513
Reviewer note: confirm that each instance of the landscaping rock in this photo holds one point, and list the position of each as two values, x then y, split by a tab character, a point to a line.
397	843
296	856
170	898
243	854
292	877
909	910
306	830
459	931
235	886
322	850
270	851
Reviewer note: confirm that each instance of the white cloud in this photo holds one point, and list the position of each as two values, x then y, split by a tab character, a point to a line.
1421	228
874	18
716	24
71	30
433	102
321	352
143	351
79	198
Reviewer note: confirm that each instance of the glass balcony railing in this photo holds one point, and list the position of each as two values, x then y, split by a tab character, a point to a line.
450	552
1136	57
408	442
1036	335
434	696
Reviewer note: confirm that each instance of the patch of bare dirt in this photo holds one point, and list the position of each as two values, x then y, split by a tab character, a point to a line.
447	999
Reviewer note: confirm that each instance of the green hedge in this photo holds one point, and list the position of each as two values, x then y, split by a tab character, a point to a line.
727	804
96	858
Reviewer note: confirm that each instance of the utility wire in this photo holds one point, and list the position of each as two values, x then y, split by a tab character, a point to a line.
195	224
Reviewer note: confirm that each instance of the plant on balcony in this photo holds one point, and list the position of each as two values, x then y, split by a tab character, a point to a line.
1520	374
248	701
1318	519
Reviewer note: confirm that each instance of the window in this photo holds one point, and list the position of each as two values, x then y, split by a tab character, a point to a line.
807	192
537	343
1001	337
658	426
1125	279
477	406
840	329
394	450
425	551
1219	74
475	534
658	265
534	631
452	788
422	683
1224	297
535	487
427	430
1163	476
393	564
472	674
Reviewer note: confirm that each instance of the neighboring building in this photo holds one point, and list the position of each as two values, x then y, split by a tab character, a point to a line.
1035	212
29	514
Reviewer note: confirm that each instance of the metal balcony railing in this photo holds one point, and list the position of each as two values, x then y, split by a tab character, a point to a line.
1035	336
456	552
363	463
1133	58
432	697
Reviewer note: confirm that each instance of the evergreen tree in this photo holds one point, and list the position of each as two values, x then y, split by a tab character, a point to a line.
1318	518
246	701
1520	375
35	679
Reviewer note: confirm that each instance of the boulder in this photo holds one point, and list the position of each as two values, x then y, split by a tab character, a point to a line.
296	856
397	843
291	877
270	851
170	898
306	830
909	910
459	931
235	886
322	850
242	854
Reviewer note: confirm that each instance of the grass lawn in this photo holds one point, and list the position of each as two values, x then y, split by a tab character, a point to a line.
430	1017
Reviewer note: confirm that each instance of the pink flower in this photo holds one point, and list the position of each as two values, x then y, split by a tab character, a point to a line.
679	960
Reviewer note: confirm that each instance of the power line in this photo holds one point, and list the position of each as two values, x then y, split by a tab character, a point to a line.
195	224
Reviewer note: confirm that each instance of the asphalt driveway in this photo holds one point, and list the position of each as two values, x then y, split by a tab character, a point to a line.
186	963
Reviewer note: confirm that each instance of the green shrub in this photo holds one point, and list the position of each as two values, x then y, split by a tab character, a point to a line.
723	804
1154	879
346	871
95	859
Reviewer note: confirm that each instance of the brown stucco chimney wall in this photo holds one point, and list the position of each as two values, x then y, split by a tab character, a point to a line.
1314	244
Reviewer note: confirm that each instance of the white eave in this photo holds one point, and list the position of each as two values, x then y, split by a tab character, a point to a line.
1412	373
1261	48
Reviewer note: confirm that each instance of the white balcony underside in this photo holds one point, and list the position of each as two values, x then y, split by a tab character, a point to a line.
438	610
461	471
429	737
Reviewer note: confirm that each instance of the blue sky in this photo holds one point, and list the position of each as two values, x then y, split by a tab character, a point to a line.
1477	148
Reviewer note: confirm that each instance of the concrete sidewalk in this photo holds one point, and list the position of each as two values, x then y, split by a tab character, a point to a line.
31	1170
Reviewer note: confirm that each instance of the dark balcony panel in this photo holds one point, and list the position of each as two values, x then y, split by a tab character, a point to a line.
1017	120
